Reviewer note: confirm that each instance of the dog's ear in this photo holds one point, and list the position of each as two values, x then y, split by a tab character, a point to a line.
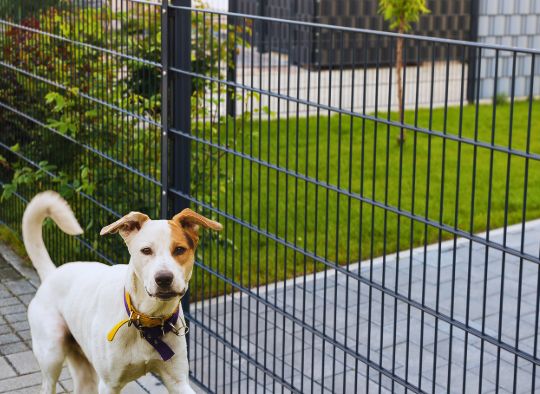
190	221
126	225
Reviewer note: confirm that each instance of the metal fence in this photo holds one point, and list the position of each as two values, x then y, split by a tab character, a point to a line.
350	261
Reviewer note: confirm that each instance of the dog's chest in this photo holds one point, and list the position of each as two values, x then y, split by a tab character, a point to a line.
131	360
133	367
133	370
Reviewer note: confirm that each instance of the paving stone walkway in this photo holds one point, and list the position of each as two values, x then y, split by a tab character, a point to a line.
424	350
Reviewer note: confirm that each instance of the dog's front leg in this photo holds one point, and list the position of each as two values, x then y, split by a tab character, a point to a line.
175	376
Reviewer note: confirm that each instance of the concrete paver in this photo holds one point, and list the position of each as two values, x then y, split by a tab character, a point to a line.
314	348
299	347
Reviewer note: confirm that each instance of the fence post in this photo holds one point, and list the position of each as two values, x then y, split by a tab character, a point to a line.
164	109
181	111
471	77
231	60
262	27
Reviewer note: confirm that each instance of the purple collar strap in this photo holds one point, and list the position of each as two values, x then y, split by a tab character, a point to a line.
154	335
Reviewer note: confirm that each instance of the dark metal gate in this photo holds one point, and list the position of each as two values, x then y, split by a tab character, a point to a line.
349	261
312	186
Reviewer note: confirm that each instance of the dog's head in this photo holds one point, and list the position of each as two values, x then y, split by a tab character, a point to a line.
162	251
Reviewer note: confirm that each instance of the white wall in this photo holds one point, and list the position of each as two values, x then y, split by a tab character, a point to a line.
511	23
222	5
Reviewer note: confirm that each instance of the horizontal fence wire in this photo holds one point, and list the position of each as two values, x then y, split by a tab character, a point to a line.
81	113
302	165
381	228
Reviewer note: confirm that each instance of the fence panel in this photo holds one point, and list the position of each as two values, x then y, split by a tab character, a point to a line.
80	113
381	229
305	290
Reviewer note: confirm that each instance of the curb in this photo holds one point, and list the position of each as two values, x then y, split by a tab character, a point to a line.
29	273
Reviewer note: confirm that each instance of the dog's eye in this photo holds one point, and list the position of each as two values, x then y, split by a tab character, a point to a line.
179	251
146	251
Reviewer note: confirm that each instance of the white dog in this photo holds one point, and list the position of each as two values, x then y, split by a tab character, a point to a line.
113	324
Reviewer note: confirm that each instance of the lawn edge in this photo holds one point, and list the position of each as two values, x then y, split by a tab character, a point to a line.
19	264
329	273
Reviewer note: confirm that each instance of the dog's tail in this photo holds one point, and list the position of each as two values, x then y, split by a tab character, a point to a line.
42	206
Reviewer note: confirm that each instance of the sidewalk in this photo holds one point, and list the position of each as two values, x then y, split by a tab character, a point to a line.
359	318
257	328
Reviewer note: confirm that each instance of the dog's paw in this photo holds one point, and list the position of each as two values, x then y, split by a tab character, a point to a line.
186	389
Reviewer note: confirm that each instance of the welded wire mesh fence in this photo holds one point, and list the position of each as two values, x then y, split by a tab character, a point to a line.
352	259
81	113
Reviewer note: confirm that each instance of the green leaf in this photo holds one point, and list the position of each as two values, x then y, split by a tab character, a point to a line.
9	189
91	113
400	13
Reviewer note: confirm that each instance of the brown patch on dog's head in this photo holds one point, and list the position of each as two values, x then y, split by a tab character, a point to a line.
190	221
185	235
182	244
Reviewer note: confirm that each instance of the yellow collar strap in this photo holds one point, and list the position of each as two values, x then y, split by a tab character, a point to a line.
139	319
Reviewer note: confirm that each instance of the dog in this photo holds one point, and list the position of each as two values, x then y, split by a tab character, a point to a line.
113	324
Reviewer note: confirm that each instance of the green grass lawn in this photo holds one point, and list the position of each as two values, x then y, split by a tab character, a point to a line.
363	158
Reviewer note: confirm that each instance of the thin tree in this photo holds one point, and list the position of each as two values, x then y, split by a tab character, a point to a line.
400	14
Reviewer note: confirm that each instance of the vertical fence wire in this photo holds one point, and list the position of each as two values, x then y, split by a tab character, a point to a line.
420	320
368	246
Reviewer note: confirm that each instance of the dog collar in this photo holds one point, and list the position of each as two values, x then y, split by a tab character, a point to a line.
151	328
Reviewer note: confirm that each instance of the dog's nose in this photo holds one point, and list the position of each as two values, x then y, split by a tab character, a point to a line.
164	278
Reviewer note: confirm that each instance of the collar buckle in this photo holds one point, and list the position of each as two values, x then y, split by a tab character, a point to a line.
183	326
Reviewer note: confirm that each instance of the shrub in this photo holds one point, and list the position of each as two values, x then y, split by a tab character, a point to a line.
500	99
108	106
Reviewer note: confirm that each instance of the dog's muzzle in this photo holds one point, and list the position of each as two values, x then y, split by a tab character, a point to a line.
166	295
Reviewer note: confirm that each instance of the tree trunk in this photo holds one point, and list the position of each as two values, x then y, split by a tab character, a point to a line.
399	67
